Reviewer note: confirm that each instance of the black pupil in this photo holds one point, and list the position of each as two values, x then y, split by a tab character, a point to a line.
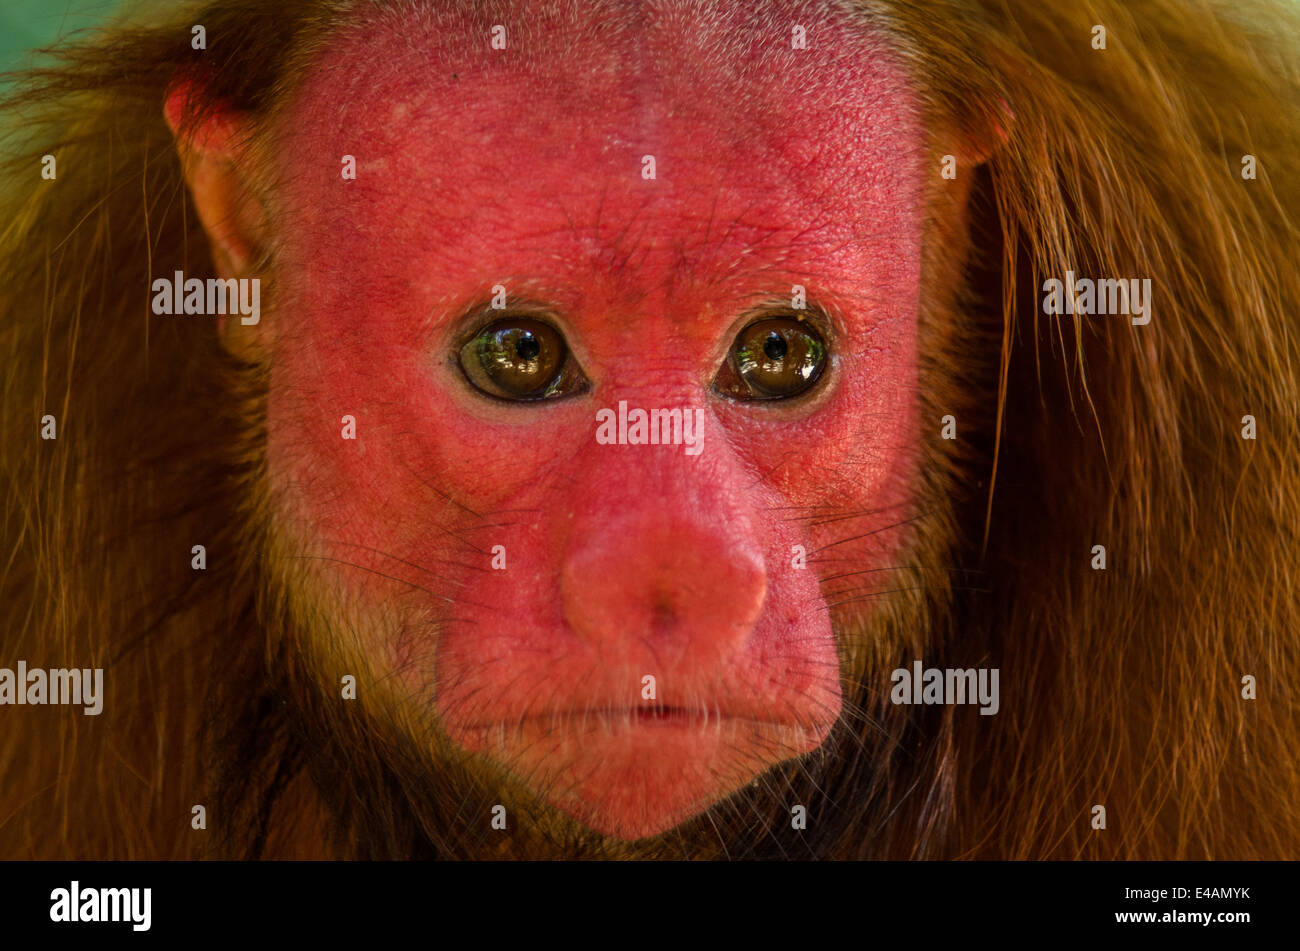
774	346
527	347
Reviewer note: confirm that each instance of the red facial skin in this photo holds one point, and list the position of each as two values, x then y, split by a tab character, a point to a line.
775	167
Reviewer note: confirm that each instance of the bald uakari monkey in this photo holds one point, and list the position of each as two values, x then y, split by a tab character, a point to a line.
662	429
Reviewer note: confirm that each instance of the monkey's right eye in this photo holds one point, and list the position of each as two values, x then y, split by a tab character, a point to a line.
520	359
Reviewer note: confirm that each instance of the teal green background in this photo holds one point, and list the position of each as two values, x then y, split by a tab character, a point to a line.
26	25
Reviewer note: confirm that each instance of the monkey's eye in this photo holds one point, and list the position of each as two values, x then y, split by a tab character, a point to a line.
772	358
520	359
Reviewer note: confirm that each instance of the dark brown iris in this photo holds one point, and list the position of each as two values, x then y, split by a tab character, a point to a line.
519	359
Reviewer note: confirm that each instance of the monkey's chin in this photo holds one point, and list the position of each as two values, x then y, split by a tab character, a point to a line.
632	776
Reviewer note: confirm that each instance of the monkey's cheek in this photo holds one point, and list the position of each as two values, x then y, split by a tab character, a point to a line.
638	778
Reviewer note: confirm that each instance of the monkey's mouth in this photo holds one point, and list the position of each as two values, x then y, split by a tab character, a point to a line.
637	771
662	714
648	716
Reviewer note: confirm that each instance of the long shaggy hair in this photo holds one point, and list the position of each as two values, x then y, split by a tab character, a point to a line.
1121	687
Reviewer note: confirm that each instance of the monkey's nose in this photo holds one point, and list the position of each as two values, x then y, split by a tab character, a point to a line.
679	592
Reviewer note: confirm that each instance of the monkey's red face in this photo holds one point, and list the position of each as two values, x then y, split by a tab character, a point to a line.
539	244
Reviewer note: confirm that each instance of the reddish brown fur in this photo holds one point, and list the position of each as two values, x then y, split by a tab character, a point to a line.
1119	687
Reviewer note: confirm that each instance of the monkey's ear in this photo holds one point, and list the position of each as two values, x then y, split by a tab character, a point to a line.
213	158
984	131
216	166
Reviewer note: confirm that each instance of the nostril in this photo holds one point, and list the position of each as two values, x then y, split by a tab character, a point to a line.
663	617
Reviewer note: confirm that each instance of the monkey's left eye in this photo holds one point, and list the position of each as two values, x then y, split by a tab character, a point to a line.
772	358
520	359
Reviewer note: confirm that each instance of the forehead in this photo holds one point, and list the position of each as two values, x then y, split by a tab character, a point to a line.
691	134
